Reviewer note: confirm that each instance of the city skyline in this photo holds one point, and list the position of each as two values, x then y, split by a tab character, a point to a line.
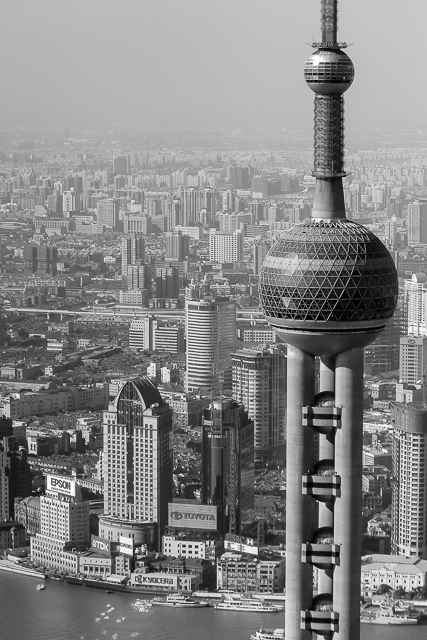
171	64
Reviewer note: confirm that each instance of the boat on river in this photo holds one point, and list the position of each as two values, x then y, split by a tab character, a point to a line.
178	600
389	615
268	634
248	605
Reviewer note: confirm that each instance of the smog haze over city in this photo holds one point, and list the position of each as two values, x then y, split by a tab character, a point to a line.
204	63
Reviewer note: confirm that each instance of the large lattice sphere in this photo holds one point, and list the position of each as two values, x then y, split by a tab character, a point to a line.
329	71
328	285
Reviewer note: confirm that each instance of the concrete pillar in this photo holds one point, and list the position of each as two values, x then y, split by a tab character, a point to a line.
348	507
327	374
299	508
326	452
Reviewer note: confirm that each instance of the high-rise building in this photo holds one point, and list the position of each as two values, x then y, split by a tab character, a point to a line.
154	335
41	260
228	464
409	504
64	524
328	286
172	210
139	277
260	250
137	459
15	476
211	339
207	204
167	282
177	246
259	377
120	165
108	213
69	202
137	223
417	222
133	251
140	334
63	512
225	246
190	207
412	359
416	304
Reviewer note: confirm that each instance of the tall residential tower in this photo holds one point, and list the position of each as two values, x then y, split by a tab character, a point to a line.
328	286
211	339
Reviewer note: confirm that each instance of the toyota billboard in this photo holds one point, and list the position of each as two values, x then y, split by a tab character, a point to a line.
192	516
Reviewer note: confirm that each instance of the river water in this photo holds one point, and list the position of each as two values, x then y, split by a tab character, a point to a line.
69	612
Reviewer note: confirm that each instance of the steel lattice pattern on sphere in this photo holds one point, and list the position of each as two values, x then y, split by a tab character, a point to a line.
328	271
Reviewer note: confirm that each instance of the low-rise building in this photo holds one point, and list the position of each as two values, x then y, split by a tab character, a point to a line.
12	535
187	546
50	401
27	513
244	573
392	570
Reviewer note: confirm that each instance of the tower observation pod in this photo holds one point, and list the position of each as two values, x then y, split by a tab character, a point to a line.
328	286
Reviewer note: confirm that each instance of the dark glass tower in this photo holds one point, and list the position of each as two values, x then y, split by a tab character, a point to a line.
228	464
328	286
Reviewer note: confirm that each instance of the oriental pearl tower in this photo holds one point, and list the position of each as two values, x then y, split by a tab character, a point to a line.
328	287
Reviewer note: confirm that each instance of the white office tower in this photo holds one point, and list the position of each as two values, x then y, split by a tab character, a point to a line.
137	457
417	222
69	202
259	377
416	304
409	505
140	334
225	246
211	339
64	514
412	359
64	525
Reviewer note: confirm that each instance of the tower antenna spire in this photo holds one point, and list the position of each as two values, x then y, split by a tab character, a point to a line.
329	72
329	22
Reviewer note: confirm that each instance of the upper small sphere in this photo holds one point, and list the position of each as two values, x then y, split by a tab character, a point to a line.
329	71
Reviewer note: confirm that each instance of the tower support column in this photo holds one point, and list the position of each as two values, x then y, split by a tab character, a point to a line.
326	452
348	507
299	507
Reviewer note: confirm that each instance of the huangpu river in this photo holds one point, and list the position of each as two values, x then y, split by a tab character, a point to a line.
69	612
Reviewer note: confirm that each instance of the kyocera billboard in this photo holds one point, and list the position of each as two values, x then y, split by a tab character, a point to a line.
155	580
192	516
98	545
126	546
61	484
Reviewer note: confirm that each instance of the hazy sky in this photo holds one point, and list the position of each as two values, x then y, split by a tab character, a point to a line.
205	62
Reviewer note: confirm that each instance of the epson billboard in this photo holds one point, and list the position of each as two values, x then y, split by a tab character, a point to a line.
98	545
192	516
61	484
